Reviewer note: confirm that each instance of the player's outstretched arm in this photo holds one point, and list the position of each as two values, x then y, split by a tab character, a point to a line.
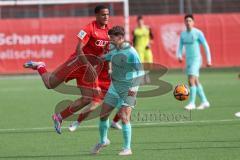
80	53
83	59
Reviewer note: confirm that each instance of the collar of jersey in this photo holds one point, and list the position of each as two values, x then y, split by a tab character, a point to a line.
98	26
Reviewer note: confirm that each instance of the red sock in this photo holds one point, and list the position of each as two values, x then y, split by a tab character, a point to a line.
82	116
116	118
41	70
66	112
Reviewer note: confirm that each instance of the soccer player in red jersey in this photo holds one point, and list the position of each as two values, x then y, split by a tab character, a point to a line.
85	66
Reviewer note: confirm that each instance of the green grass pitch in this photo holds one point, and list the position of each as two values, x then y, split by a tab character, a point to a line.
213	134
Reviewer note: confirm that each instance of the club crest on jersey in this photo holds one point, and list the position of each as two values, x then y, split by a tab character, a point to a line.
101	43
82	34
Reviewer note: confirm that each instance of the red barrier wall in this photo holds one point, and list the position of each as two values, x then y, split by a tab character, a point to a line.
222	32
52	40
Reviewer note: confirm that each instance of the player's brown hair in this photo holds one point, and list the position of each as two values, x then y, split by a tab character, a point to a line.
116	30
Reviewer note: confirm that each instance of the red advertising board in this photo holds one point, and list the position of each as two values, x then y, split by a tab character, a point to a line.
52	40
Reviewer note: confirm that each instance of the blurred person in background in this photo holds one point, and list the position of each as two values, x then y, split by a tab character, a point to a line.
142	41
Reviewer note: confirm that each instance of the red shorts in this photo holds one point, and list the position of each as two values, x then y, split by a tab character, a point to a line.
79	72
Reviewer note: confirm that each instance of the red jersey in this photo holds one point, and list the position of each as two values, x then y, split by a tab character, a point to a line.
94	38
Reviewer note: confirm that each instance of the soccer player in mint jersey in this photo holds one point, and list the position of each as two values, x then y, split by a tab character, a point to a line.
192	38
83	65
126	77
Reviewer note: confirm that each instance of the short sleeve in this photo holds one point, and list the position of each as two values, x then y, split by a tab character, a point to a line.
85	34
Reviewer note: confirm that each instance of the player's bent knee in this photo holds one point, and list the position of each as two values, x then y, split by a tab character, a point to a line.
104	115
125	120
191	81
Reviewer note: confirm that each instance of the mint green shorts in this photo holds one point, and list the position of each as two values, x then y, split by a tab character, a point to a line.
118	98
193	68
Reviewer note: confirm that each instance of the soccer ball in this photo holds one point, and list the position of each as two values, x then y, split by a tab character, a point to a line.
181	92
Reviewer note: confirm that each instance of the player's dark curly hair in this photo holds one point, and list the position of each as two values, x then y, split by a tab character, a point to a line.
116	30
98	8
188	16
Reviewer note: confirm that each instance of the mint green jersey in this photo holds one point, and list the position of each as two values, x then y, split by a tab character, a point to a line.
127	72
192	41
126	65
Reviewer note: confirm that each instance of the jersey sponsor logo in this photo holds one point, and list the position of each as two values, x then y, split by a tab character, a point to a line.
170	36
101	43
82	34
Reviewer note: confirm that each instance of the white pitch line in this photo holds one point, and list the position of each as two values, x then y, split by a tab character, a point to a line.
135	124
